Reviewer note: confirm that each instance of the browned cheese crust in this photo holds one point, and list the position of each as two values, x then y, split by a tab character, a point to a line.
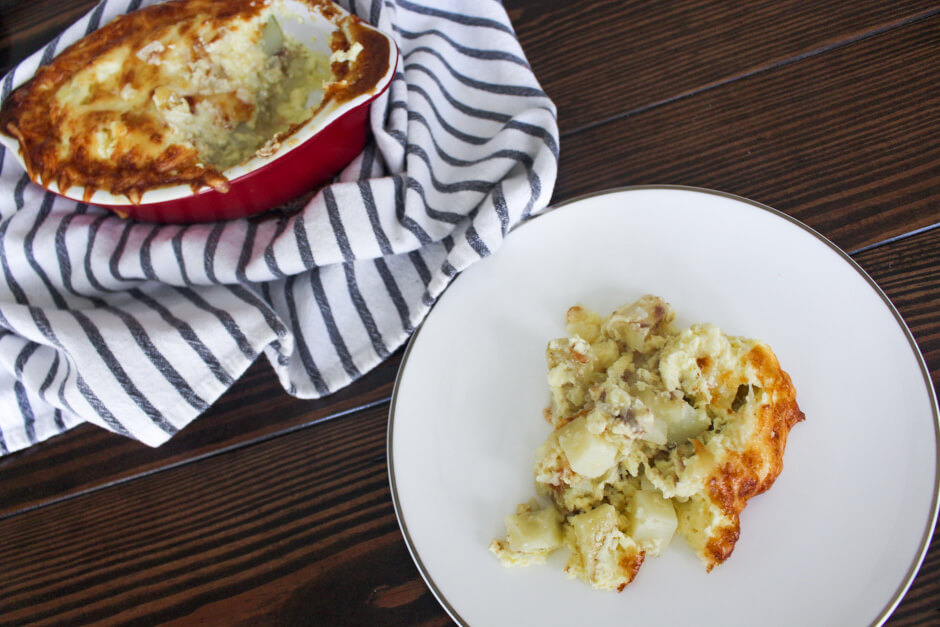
630	565
368	69
58	148
745	474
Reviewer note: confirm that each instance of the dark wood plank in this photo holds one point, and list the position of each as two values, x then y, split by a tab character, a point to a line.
908	271
299	529
602	59
254	408
921	604
847	141
27	26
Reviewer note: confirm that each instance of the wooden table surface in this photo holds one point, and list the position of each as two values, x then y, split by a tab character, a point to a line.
269	509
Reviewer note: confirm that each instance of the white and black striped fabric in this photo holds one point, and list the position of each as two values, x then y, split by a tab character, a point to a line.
138	328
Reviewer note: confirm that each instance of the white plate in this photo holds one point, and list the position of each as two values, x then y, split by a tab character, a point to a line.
838	538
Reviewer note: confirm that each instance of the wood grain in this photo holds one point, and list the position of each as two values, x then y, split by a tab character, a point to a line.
921	604
256	407
298	543
27	26
848	141
52	554
602	59
908	271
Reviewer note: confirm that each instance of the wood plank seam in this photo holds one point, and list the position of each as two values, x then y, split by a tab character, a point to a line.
178	464
891	240
867	34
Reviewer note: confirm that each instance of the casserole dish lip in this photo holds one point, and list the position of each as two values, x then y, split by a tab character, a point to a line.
307	132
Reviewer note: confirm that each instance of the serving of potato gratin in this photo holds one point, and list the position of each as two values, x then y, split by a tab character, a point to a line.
656	430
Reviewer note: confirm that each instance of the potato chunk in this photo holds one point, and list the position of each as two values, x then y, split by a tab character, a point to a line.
583	322
588	454
682	421
538	530
653	521
602	554
642	325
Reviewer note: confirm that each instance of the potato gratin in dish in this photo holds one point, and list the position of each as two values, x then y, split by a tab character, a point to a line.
656	430
178	93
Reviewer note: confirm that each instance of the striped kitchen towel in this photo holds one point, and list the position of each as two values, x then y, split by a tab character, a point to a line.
138	328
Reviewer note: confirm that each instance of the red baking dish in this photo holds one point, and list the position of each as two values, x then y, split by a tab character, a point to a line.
308	158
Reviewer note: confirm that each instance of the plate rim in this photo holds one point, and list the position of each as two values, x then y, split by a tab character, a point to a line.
921	554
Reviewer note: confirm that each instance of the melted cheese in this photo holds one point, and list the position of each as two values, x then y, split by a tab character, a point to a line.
655	431
176	93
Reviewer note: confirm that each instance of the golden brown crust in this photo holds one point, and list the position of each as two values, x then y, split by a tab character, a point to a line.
57	148
370	66
630	565
32	116
750	472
